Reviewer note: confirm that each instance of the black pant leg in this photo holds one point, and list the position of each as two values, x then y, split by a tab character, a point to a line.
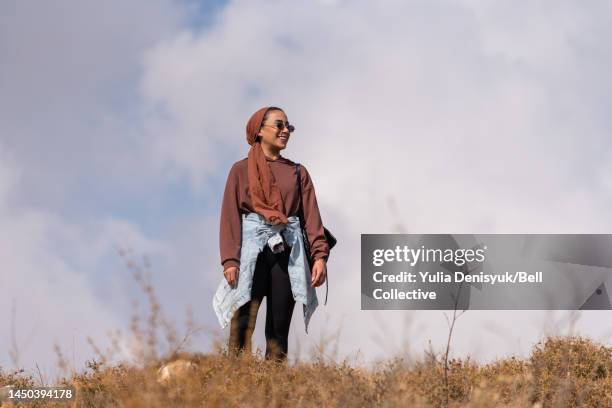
244	319
280	304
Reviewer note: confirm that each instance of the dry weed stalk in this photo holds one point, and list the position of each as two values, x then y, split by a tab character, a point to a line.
145	344
14	350
451	327
326	348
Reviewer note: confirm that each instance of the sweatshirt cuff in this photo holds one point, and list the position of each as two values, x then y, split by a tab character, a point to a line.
320	256
229	263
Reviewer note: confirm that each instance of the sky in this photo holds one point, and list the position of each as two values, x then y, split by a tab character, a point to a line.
119	123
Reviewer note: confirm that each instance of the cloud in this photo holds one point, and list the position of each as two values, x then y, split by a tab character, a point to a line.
469	117
119	122
68	77
67	148
48	293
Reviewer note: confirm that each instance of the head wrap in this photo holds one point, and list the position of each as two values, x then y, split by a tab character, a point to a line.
265	195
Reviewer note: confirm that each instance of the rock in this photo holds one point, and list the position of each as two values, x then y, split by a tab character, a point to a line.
173	370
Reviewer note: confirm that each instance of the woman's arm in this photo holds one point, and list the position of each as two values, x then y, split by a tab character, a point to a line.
319	249
230	232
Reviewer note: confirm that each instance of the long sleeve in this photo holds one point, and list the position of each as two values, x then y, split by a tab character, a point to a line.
312	219
230	232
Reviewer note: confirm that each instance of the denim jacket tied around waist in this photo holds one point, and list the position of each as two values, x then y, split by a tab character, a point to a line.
255	233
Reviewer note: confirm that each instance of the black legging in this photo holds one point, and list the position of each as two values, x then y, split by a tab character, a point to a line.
270	279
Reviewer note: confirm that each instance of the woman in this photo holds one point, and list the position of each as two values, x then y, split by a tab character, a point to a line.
262	251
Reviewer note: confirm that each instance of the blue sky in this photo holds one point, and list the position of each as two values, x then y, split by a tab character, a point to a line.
119	122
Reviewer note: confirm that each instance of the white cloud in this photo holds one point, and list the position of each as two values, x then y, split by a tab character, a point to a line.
469	116
49	281
67	73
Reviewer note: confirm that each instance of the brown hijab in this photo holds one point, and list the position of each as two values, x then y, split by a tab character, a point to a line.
265	195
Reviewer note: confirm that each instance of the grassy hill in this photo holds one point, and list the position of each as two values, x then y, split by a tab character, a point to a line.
560	372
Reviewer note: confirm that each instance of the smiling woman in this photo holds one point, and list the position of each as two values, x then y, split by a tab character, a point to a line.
261	238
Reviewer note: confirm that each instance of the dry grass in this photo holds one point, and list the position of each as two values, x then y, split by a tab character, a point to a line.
560	372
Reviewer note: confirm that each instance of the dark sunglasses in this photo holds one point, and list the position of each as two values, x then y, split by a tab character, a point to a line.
280	125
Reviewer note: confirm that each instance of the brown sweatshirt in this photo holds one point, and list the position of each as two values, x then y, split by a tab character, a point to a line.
237	201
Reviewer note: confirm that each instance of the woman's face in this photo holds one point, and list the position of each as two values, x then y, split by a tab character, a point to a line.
271	135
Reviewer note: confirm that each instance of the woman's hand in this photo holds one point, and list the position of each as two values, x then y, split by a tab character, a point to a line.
231	275
319	272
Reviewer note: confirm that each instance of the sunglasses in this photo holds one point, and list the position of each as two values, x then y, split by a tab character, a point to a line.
280	125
